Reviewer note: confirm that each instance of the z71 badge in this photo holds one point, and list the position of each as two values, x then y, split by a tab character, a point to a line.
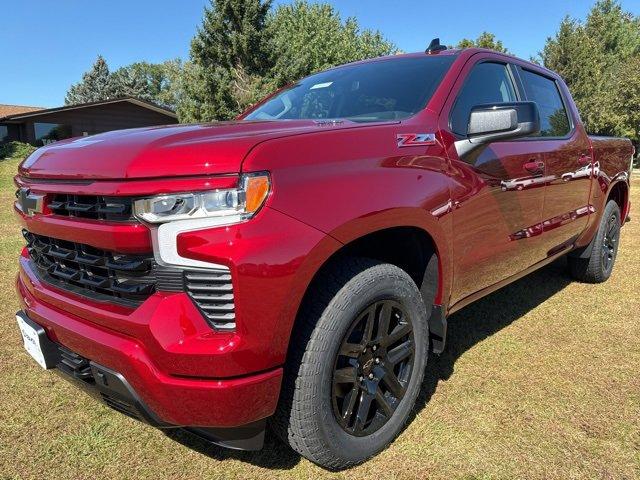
415	139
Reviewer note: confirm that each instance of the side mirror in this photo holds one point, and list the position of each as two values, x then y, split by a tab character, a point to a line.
498	121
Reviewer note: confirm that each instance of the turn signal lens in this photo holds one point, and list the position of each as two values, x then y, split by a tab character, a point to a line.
256	188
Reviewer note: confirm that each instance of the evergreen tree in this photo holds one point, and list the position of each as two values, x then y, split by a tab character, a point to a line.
129	82
599	59
94	86
228	49
305	38
242	52
485	40
158	83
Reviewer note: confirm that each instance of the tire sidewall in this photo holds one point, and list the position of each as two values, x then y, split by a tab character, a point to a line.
347	306
610	209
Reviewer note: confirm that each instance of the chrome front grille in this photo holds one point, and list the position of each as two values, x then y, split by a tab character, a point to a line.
212	292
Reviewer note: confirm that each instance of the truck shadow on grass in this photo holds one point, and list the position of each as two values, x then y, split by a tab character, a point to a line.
466	328
489	315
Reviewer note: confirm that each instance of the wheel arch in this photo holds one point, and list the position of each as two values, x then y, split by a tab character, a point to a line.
619	192
416	250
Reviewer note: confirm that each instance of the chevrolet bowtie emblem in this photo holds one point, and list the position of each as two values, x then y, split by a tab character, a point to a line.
30	203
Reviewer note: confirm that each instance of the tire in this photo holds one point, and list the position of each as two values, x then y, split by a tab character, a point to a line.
349	295
597	267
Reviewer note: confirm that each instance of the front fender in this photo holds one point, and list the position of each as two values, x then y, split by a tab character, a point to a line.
437	228
352	182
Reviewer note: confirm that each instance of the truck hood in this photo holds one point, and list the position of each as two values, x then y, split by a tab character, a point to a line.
176	150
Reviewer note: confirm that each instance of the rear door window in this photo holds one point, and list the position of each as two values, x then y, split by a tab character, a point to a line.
554	121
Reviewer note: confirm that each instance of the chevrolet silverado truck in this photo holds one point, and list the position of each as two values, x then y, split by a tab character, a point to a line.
295	268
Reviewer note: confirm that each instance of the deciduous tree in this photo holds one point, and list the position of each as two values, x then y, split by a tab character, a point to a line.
485	40
153	82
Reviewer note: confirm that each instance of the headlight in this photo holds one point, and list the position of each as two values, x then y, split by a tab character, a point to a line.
243	201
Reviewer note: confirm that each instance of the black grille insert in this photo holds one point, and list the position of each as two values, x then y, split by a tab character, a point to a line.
212	292
102	275
106	384
96	207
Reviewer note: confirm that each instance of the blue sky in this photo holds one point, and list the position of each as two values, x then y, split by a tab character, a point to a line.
46	46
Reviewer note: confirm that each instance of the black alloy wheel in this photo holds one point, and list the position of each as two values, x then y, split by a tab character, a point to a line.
594	263
610	242
373	368
356	365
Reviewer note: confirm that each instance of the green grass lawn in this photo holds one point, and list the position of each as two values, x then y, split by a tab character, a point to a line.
540	380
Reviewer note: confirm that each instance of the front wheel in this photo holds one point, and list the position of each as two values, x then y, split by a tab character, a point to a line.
356	365
597	267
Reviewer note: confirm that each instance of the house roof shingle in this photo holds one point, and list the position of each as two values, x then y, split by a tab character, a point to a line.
35	111
6	110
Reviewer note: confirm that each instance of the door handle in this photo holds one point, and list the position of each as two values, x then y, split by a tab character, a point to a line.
534	166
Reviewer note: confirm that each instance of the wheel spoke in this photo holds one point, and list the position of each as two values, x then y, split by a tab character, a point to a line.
345	375
351	349
384	320
363	410
398	333
399	353
349	403
392	383
369	323
383	402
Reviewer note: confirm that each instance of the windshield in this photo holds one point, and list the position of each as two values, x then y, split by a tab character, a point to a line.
367	92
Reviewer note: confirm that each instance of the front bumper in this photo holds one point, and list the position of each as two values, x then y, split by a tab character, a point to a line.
169	399
183	371
113	389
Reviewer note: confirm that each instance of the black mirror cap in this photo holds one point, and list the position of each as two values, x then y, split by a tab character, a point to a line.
499	121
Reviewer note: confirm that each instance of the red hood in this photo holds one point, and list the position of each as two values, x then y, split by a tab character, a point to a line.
176	150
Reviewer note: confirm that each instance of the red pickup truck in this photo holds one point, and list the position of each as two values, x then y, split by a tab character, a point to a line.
299	264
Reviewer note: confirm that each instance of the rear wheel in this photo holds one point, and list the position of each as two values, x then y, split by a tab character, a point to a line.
356	364
597	267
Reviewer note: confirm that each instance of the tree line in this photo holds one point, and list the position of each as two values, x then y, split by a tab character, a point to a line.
245	49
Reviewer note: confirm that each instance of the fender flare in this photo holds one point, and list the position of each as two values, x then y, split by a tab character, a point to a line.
435	229
585	252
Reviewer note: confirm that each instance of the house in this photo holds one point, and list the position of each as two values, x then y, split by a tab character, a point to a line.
39	126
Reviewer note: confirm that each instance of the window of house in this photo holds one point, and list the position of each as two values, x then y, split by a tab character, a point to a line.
4	133
46	133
